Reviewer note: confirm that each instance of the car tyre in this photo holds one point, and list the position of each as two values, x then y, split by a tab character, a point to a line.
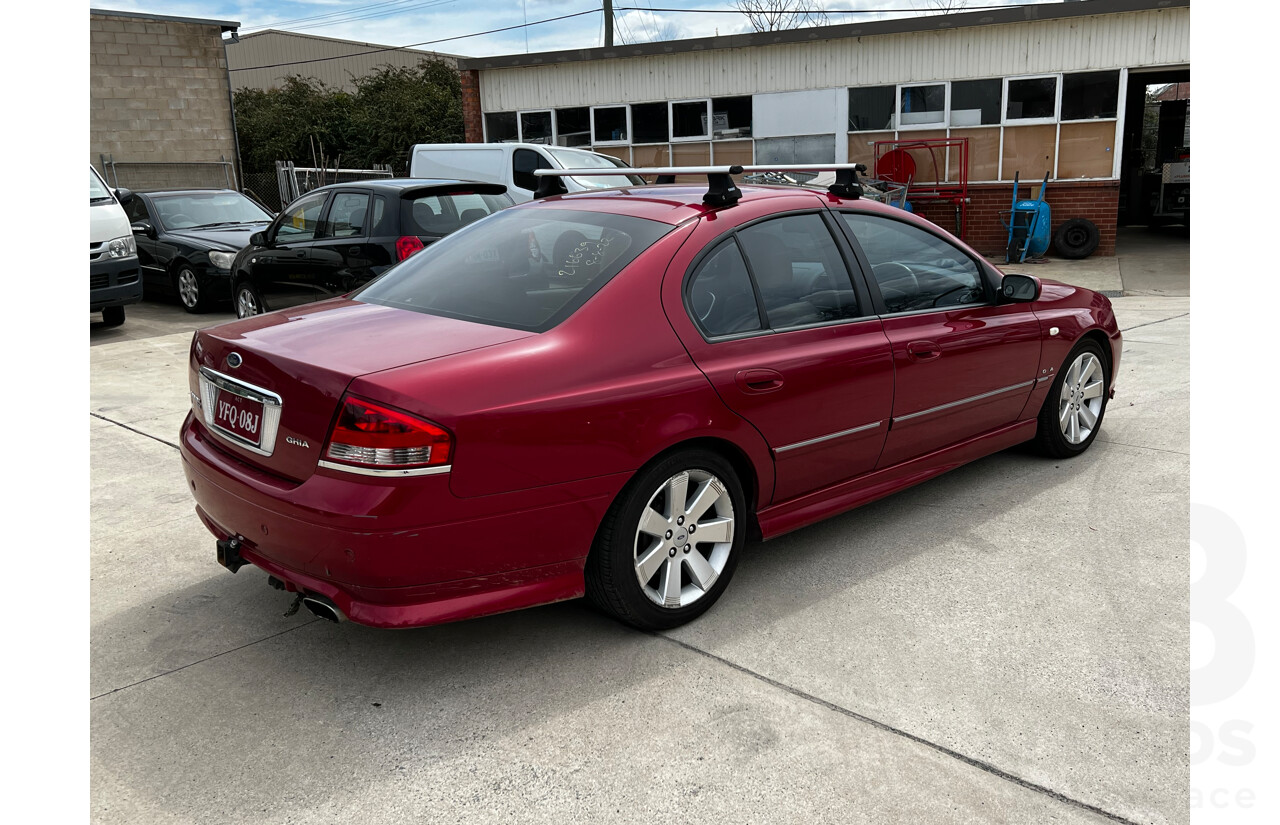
112	316
248	302
191	292
1076	238
650	567
1072	413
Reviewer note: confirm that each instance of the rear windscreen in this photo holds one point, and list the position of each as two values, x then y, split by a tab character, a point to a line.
526	269
440	214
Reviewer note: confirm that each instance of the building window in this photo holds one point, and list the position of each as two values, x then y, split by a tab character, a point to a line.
730	117
535	127
573	126
1031	98
922	105
690	120
871	108
500	127
1090	95
609	124
649	122
975	102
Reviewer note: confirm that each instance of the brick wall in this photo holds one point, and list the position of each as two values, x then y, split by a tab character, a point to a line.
158	91
472	119
1099	201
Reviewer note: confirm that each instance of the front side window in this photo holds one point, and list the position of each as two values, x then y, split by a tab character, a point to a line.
914	269
798	271
298	224
525	269
721	298
523	164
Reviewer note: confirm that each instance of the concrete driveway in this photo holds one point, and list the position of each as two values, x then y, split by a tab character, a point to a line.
1007	643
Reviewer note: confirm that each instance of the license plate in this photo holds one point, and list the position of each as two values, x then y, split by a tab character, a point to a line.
239	416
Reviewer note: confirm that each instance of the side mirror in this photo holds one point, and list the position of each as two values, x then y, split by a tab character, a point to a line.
124	196
1019	288
143	228
258	239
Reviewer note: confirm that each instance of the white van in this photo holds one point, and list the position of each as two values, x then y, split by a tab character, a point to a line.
113	253
512	164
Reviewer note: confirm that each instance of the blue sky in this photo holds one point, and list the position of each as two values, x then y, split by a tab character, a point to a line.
404	22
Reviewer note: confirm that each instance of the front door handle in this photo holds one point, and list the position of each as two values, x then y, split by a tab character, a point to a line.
758	380
353	250
301	253
923	350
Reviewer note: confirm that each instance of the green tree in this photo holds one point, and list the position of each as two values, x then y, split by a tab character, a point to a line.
284	123
396	107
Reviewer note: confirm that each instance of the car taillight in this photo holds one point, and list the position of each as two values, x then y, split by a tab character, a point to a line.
407	245
371	435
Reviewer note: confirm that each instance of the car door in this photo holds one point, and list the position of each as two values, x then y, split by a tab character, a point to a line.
770	315
282	270
964	364
340	254
154	275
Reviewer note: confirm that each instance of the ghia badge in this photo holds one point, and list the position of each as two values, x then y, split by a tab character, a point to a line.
296	442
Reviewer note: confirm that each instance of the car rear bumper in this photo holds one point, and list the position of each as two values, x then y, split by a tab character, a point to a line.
114	282
402	552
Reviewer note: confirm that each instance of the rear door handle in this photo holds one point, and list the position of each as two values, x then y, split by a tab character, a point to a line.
301	253
923	350
353	250
758	380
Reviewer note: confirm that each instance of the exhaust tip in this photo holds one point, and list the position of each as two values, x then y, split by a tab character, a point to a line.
322	607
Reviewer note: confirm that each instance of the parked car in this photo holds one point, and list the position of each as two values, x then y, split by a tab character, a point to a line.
113	256
513	165
339	237
610	392
187	240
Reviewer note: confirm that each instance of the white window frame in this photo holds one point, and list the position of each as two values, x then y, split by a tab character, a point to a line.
1119	98
1005	120
520	124
555	126
626	141
916	127
671	120
1000	80
484	126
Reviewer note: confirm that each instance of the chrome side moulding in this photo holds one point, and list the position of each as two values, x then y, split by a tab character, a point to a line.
962	401
822	438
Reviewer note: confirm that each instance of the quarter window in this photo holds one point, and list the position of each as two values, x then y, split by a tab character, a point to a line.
798	271
914	269
721	298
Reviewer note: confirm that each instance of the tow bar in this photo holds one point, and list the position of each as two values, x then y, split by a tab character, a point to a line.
229	554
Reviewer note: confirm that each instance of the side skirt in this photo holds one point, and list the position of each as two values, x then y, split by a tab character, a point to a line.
786	516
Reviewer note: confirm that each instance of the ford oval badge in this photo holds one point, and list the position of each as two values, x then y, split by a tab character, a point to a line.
234	360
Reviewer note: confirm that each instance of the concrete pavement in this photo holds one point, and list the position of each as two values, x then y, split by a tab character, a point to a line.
1007	643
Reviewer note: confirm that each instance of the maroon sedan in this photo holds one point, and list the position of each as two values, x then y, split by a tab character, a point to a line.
610	392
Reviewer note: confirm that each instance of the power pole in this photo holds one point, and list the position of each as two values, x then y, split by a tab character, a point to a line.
608	24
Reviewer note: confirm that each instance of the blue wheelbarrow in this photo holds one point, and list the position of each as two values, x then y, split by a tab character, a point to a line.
1029	225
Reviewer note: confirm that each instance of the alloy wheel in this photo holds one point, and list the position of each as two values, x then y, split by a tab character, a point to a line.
1080	401
246	303
684	538
188	288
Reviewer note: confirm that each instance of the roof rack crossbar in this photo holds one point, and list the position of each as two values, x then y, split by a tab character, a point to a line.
721	190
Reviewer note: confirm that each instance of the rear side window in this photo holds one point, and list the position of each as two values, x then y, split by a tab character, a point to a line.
347	215
526	269
439	214
914	269
798	271
721	298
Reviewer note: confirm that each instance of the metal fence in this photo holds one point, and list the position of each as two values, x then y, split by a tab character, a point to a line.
295	181
151	176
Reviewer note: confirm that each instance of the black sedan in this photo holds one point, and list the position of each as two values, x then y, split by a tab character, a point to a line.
188	239
339	237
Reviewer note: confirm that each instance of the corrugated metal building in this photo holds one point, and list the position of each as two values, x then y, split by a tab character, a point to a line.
264	59
1034	89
